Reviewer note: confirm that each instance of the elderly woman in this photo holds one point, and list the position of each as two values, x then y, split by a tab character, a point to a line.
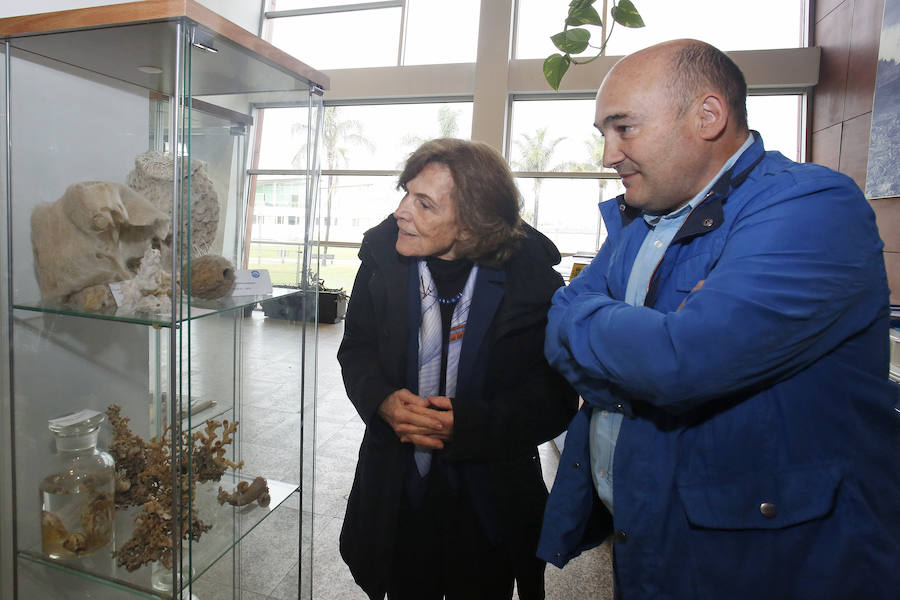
443	358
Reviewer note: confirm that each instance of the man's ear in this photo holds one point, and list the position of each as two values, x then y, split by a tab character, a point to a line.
713	116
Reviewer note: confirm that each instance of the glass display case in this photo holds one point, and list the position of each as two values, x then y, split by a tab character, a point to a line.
156	418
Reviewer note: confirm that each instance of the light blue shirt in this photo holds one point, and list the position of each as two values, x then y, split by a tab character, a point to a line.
605	424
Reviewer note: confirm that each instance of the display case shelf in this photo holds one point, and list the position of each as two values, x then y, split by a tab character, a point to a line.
195	309
125	152
211	547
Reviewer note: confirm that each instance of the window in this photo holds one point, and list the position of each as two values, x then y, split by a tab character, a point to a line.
554	141
441	32
757	25
365	147
345	34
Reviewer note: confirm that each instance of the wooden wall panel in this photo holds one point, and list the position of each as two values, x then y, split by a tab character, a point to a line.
826	147
887	214
892	264
832	34
823	8
863	58
855	148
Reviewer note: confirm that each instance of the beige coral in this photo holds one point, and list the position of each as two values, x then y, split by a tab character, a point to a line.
154	176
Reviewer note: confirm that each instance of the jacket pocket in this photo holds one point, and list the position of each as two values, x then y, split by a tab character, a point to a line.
763	500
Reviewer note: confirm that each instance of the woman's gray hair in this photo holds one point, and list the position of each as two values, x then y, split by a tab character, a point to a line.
484	193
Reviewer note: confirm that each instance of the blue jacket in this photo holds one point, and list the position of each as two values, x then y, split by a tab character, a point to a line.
760	453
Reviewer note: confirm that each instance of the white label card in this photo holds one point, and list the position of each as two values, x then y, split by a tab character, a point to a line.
251	282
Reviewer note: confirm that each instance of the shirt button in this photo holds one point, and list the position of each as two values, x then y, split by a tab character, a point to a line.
657	244
768	510
602	474
620	536
604	413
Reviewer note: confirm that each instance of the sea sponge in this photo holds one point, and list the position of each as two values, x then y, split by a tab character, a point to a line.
153	175
212	276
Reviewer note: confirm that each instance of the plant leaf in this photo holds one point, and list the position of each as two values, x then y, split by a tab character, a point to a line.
555	66
572	41
586	15
626	14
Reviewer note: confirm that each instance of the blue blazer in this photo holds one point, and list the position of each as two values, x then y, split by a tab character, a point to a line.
759	453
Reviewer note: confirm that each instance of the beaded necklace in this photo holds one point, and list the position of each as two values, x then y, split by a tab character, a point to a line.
451	300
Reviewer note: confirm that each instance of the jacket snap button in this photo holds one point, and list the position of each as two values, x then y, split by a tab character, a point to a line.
622	207
577	465
707	222
620	536
768	510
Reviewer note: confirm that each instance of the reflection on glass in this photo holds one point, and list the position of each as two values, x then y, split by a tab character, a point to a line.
365	38
454	40
762	24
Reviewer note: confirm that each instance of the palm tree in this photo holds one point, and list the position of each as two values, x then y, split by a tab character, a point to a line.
536	151
337	136
594	163
447	127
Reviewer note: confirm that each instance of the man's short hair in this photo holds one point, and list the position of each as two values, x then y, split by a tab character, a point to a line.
699	64
484	192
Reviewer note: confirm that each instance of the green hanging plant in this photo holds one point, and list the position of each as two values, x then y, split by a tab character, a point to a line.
578	39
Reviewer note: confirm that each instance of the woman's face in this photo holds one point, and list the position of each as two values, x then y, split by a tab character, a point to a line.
427	215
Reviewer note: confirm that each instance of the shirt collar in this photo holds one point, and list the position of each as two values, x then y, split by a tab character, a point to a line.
654	219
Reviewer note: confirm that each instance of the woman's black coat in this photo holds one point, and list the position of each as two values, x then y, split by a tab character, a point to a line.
508	399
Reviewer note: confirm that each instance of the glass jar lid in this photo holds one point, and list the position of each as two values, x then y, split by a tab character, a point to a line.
77	423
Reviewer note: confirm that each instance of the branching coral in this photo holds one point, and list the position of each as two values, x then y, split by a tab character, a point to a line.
208	454
202	458
128	451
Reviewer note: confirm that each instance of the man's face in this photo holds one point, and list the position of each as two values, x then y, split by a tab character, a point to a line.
653	149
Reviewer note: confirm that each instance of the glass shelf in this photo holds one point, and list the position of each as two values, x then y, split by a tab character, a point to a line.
198	308
230	524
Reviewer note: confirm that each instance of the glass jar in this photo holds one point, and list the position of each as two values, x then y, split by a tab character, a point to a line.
78	497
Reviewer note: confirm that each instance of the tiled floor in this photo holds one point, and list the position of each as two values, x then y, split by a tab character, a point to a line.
270	556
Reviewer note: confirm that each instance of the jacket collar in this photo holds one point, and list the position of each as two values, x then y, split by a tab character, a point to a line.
708	215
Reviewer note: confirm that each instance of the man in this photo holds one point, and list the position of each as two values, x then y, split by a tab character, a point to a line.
730	341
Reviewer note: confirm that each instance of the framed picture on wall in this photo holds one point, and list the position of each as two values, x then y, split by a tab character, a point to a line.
882	177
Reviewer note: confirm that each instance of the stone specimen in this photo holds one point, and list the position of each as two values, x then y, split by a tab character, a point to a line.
96	233
212	276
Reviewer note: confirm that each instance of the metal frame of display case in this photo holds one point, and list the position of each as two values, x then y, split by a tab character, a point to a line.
186	65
